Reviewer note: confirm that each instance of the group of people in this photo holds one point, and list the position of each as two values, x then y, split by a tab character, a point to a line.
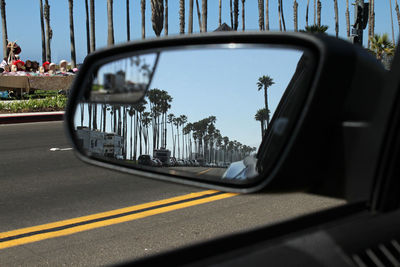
17	67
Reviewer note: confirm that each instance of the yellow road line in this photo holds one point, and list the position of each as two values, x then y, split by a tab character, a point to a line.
85	227
203	172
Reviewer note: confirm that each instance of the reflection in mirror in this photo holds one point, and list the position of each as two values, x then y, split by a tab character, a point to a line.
123	81
204	116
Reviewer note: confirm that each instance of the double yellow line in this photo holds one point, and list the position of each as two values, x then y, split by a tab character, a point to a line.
71	226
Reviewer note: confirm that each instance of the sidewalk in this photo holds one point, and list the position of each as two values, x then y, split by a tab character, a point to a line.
31	117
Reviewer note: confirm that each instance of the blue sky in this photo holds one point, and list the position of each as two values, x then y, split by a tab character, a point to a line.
24	22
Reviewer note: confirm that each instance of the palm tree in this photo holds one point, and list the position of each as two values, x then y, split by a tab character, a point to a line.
183	120
171	121
336	18
308	5
371	19
282	15
143	12
315	29
166	18
110	36
261	15
267	15
236	14
157	16
347	18
181	16
231	13
204	15
315	12
190	24
381	45
71	32
295	15
4	24
87	27
391	19
42	31
319	7
264	82
128	26
92	27
243	18
199	16
219	12
49	33
397	13
262	115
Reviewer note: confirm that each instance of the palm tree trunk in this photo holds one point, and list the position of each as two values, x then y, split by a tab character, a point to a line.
243	16
236	14
267	15
397	13
308	5
71	32
315	12
128	25
199	16
371	27
143	10
49	33
295	15
266	104
219	12
92	27
319	7
283	16
166	18
347	18
391	20
182	17
231	13
4	24
204	15
279	15
261	15
336	18
87	27
190	25
42	31
110	36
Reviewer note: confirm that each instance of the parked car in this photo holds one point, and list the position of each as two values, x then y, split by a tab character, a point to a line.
145	160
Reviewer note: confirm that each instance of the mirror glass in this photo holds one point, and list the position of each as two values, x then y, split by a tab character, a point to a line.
198	112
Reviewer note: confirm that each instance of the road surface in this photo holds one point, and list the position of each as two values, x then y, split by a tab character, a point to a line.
42	182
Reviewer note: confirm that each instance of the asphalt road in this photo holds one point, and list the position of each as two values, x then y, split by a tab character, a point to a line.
40	185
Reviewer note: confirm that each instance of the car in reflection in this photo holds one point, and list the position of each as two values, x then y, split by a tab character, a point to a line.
145	160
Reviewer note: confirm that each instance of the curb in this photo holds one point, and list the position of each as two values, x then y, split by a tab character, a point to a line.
31	117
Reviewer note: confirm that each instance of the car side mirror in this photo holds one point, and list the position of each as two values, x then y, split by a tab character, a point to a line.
189	109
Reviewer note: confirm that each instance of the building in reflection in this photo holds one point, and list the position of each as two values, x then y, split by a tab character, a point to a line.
98	143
